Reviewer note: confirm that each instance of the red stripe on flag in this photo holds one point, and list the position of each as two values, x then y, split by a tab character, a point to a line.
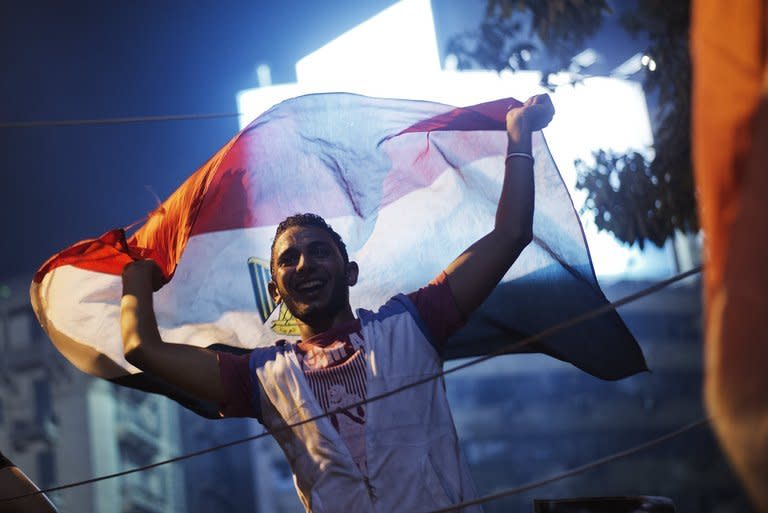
106	254
483	116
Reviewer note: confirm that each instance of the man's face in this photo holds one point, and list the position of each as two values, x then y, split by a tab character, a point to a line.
310	275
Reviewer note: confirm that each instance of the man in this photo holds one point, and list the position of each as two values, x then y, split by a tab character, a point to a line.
399	453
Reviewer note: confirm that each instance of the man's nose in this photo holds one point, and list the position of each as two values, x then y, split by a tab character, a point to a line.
305	263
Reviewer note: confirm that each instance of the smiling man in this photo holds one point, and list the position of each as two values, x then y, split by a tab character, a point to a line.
311	273
396	454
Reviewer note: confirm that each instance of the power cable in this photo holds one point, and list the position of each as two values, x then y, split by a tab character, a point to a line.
577	470
503	350
117	121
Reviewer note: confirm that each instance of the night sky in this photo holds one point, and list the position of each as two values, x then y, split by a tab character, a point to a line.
73	60
76	60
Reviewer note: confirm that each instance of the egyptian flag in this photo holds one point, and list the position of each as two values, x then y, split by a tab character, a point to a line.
407	184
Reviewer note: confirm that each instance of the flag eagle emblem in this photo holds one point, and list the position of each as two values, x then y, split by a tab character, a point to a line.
285	323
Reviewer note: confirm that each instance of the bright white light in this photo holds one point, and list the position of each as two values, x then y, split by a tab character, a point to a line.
396	43
561	79
629	67
264	75
647	61
600	112
451	62
253	102
611	114
585	58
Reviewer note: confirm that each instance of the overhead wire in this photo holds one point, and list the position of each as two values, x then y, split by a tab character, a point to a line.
474	361
577	470
117	120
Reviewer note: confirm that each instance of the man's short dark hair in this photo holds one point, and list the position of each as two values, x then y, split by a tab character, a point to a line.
307	219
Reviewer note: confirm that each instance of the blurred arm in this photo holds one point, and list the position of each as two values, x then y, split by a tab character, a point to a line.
13	483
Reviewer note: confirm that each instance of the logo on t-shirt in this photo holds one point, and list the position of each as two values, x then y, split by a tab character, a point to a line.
280	319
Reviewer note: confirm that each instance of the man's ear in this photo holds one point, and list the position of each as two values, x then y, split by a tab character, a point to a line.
274	293
352	271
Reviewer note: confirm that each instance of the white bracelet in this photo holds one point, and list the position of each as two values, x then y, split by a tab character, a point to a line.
516	154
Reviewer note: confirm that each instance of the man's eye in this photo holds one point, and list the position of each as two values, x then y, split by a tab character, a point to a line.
287	260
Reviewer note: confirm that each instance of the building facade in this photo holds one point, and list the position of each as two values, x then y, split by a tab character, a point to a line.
60	425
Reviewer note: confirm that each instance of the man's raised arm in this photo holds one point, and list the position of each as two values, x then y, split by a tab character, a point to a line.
477	271
193	369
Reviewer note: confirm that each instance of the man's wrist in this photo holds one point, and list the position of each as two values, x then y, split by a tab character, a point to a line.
518	140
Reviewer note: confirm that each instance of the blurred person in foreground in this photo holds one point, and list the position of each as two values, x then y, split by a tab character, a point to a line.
729	44
14	483
400	453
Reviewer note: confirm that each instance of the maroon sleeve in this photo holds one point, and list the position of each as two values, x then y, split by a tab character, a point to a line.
438	309
237	380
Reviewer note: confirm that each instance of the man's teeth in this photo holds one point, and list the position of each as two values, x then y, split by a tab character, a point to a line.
310	285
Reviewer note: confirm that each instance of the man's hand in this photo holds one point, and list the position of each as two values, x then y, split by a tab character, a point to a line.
143	273
533	115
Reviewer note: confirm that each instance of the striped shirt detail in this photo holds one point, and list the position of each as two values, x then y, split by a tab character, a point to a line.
336	389
350	375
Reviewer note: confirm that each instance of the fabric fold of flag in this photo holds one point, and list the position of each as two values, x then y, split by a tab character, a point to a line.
407	184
